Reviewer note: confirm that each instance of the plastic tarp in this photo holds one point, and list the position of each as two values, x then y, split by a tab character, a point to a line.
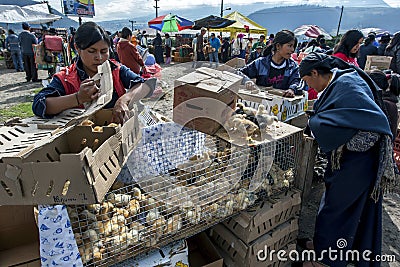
242	22
311	31
33	14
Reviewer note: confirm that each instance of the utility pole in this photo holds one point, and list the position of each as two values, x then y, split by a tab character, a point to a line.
222	8
340	20
132	21
156	7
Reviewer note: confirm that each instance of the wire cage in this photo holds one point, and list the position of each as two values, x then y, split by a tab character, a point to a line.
178	183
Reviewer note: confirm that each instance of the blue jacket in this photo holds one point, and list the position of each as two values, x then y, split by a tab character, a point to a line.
12	43
215	43
260	67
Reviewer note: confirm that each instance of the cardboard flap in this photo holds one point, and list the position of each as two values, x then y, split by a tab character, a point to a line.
13	172
230	239
193	78
212	80
105	93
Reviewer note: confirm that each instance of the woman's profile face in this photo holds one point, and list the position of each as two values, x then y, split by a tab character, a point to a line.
94	56
286	50
357	46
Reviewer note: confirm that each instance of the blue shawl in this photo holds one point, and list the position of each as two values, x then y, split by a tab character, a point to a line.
346	106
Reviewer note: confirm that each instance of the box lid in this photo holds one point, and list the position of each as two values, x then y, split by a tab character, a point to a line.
212	80
35	132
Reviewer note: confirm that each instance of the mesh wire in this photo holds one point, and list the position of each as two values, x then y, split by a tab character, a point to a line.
180	185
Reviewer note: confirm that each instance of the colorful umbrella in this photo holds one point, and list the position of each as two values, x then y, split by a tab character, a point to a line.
170	23
311	31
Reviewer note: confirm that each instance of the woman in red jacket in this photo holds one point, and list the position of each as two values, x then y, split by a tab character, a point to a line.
349	46
73	86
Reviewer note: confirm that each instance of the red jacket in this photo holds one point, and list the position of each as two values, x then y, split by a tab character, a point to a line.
71	82
129	56
351	60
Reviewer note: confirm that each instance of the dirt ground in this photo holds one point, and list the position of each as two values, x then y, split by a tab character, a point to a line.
14	89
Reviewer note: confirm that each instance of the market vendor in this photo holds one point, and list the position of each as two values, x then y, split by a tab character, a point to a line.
276	68
73	86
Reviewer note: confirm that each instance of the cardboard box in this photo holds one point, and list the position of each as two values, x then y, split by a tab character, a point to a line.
204	99
377	62
248	254
251	224
19	237
228	262
236	62
202	253
67	165
282	107
173	254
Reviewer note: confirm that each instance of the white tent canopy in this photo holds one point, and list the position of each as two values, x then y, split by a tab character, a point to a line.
34	14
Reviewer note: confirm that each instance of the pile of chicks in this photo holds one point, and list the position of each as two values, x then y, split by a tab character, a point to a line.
134	220
95	128
249	123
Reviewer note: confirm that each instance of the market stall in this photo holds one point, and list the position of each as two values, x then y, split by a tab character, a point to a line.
242	25
177	181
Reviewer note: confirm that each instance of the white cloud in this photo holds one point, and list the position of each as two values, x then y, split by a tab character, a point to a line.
117	9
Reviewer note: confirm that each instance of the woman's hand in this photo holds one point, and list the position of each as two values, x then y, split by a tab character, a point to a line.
250	85
120	112
288	93
88	91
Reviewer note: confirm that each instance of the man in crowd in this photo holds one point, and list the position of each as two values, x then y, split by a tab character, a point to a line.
200	44
261	42
26	40
12	45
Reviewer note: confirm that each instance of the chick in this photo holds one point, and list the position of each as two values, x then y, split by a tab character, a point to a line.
87	123
245	127
263	118
246	110
174	224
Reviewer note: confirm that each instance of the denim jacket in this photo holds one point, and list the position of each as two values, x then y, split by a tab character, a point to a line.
260	67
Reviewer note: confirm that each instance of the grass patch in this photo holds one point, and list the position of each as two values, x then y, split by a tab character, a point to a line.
22	110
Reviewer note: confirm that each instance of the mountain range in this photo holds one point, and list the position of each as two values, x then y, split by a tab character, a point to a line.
357	14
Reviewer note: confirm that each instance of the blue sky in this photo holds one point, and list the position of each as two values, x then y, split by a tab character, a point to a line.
120	9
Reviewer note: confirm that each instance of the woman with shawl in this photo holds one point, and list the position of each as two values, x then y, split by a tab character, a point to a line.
351	127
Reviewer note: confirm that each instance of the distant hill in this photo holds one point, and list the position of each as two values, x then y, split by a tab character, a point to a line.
327	17
377	14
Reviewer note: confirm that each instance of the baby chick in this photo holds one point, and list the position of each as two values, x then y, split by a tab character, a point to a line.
263	118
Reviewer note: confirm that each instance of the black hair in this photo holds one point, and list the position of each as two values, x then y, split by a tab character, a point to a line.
395	84
167	35
10	31
322	41
281	37
90	33
126	32
262	36
347	42
368	40
313	42
379	77
395	41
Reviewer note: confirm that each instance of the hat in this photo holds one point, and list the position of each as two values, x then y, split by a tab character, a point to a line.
212	34
203	29
25	25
